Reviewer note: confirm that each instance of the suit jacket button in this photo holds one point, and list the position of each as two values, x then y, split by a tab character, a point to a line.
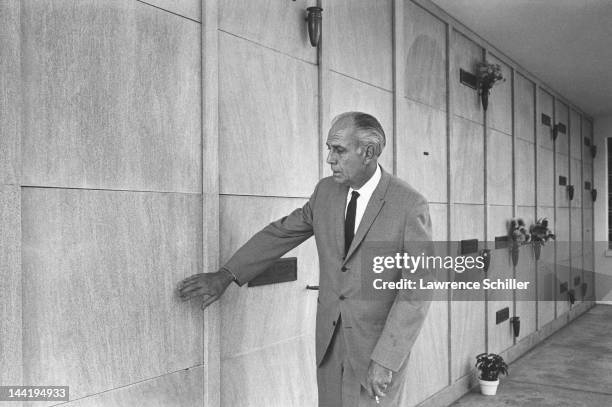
342	297
334	323
344	268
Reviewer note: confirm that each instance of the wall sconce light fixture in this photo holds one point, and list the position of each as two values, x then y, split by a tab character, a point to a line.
314	19
571	296
570	192
593	151
594	194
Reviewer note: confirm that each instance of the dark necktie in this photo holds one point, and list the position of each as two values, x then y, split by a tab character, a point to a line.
349	222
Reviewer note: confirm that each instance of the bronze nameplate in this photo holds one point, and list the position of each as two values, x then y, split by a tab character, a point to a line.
561	128
282	271
468	79
469	246
501	242
502	315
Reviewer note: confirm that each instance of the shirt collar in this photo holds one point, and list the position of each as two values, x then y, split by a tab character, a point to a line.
368	188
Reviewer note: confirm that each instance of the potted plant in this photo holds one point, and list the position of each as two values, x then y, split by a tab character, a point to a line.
540	234
488	75
518	236
491	366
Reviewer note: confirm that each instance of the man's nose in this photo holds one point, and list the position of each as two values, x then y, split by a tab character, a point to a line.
331	159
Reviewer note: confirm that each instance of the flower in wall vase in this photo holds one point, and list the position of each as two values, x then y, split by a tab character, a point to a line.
488	75
540	234
518	236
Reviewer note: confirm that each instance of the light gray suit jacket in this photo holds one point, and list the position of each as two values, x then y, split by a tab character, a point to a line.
379	326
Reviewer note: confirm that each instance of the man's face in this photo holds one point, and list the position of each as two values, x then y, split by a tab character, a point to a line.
346	158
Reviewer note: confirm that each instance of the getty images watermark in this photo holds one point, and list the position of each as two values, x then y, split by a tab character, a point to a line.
458	271
457	264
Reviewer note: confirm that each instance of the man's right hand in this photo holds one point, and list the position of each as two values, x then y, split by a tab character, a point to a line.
209	285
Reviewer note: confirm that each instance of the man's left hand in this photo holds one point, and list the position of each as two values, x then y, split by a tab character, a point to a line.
378	380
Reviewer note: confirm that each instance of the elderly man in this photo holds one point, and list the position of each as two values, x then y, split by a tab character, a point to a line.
362	342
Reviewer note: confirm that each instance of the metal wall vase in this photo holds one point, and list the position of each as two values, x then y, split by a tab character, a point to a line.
484	97
537	250
514	251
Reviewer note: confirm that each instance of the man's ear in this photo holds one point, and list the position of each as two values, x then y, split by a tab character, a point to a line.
369	154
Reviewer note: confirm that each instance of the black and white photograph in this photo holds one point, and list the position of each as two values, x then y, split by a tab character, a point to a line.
305	203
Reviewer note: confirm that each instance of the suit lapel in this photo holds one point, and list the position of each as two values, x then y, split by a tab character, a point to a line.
372	210
339	207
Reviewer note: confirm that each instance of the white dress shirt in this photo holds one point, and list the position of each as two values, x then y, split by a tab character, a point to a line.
365	193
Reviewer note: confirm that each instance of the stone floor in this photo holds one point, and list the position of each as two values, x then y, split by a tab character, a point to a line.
571	368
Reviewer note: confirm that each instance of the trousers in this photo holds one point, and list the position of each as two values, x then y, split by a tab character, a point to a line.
339	386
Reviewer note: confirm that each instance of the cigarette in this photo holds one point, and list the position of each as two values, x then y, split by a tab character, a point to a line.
377	399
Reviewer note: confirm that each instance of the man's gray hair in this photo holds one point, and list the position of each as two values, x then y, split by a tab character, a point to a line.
370	132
